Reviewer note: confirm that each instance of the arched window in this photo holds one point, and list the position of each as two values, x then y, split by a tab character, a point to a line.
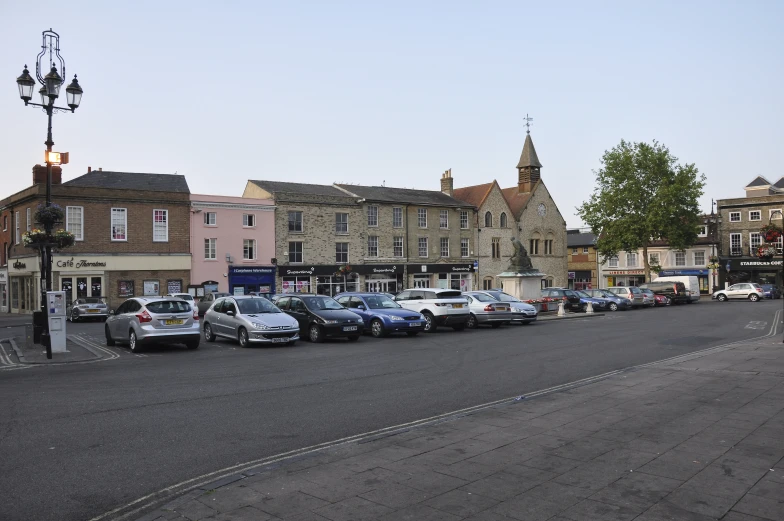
503	220
488	220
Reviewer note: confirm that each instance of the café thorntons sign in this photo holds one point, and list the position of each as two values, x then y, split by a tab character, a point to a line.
80	264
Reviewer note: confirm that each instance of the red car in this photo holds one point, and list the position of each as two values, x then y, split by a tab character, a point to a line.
661	300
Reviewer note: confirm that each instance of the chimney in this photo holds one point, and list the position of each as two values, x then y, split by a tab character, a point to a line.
39	175
447	183
100	169
89	169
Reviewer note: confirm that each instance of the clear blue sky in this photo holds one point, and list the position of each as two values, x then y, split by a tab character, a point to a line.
397	92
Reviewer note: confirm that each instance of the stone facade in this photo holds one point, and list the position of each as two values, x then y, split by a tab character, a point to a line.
494	243
550	227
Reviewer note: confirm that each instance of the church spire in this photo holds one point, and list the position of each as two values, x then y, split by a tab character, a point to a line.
528	167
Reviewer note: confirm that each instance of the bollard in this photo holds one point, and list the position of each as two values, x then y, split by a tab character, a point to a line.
29	336
589	307
561	311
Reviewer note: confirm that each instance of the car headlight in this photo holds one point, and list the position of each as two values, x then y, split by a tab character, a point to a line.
260	326
422	317
395	318
325	321
360	321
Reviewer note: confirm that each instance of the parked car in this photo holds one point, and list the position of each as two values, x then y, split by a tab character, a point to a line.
381	314
440	307
631	293
184	296
522	312
652	299
249	320
648	299
744	290
275	298
690	282
484	309
208	300
771	291
674	290
597	303
148	320
321	317
571	299
615	302
88	308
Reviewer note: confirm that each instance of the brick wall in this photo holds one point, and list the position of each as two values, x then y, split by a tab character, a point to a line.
112	279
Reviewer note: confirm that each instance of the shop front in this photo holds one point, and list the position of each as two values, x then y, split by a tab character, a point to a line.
381	278
244	280
702	274
448	276
580	279
623	278
749	269
4	290
24	284
331	279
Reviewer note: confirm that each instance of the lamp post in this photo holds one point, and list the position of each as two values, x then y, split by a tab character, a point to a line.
713	222
780	239
50	91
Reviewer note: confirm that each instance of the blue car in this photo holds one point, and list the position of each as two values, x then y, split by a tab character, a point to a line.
615	302
598	303
771	291
381	314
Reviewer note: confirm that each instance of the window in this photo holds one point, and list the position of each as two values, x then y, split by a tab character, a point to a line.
463	220
613	261
248	220
653	259
210	249
548	246
775	214
372	212
29	219
160	225
734	217
755	239
699	258
422	217
755	215
445	246
210	219
5	223
295	222
585	249
680	258
736	244
503	220
780	244
702	231
423	246
533	248
5	254
295	252
74	221
487	283
488	220
341	252
574	251
397	217
372	250
495	246
18	236
341	223
464	248
397	246
119	224
631	260
443	219
249	249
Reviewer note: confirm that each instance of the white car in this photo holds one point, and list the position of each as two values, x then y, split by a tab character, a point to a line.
522	312
184	296
743	290
440	307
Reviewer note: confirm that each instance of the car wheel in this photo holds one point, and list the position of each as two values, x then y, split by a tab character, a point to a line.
430	322
472	322
613	306
109	339
754	297
209	334
74	317
412	333
377	328
133	342
353	338
315	333
192	344
722	297
242	337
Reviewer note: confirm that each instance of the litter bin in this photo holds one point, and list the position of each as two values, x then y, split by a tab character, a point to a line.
38	326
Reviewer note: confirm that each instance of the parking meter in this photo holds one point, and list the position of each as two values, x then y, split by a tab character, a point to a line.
56	307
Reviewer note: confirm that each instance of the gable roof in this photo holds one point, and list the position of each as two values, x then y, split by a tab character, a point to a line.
779	184
297	188
529	157
474	195
580	239
517	200
759	181
132	181
388	194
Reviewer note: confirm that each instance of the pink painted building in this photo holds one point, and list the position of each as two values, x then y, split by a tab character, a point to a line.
232	245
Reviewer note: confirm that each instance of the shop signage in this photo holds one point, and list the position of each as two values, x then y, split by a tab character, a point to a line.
442	268
321	270
753	264
251	270
80	264
19	265
670	273
571	275
627	272
377	269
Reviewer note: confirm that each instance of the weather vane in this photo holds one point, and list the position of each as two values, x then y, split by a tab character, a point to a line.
528	123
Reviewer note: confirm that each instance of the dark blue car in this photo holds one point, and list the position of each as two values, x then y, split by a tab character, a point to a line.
771	291
381	314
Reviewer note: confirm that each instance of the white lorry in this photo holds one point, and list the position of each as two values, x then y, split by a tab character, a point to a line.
691	282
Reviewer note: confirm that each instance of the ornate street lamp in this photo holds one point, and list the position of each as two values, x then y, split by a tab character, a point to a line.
49	92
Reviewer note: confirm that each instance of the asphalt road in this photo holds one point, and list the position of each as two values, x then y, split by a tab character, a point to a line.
79	440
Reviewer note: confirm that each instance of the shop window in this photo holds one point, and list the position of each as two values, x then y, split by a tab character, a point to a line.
331	286
295	284
421	281
96	287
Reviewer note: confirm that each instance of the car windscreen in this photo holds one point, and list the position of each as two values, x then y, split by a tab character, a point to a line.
92	300
503	297
582	294
315	303
168	306
252	306
185	296
381	302
481	297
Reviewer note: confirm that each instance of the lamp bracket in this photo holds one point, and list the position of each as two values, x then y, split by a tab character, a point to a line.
50	45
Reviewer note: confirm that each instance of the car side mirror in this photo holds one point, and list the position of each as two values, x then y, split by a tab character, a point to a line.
230	313
112	312
361	307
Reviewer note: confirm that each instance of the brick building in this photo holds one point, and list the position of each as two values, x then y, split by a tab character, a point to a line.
582	259
333	238
132	237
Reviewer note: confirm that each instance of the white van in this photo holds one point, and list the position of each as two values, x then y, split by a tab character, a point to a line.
691	282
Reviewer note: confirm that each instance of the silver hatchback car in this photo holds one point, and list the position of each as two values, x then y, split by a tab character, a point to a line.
149	320
250	320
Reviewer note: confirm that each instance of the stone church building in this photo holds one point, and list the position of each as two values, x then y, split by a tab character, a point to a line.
526	211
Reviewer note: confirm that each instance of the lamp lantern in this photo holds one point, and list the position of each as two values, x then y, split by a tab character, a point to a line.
73	94
53	82
26	84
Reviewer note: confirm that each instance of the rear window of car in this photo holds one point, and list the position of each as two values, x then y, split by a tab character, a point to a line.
483	298
168	306
447	294
91	300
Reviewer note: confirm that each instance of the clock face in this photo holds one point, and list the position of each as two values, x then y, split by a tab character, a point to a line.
542	209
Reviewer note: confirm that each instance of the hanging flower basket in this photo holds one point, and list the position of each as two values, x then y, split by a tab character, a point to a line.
34	238
343	270
713	259
64	238
766	252
49	214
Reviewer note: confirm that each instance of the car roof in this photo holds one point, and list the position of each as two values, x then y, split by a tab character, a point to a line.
430	289
244	297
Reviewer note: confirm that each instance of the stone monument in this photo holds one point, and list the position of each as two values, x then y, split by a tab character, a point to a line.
521	279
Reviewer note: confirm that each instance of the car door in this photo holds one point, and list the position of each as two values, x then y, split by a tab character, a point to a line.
216	317
114	323
228	320
735	291
298	310
360	307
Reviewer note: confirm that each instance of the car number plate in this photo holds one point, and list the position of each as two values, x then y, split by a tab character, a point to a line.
349	328
457	306
93	310
502	309
176	322
279	340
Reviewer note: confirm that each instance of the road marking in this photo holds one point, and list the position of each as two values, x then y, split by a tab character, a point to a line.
756	324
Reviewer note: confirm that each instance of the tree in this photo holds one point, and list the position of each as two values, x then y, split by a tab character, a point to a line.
641	196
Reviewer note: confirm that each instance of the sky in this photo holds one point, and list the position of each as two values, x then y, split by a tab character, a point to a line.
397	92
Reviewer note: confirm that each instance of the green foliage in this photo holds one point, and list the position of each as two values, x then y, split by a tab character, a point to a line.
641	195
